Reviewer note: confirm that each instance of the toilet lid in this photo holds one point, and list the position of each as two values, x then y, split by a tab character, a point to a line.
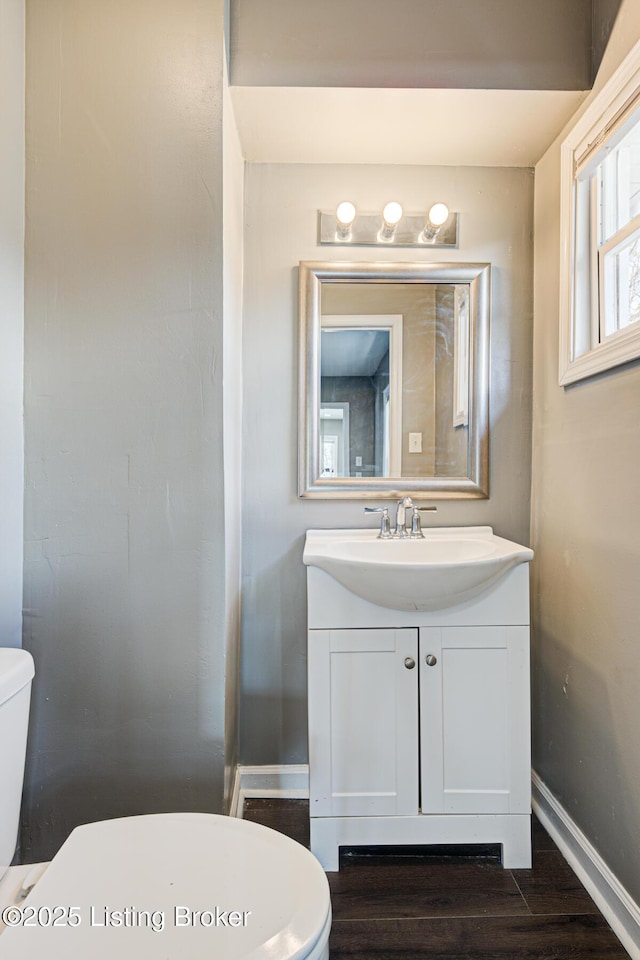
185	886
16	670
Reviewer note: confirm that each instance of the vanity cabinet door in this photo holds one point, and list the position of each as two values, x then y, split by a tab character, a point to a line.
474	720
363	722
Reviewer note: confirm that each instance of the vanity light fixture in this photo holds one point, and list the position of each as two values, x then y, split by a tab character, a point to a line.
436	218
398	229
345	215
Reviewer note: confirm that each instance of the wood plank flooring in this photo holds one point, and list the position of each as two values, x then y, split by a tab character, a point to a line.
441	904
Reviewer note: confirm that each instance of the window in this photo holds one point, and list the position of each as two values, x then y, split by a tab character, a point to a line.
600	280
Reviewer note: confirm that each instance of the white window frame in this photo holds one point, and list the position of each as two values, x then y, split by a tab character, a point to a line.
602	124
461	356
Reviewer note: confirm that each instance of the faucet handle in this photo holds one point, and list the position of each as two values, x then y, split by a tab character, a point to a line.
385	522
416	526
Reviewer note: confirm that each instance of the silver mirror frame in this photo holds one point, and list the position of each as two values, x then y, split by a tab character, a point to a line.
312	275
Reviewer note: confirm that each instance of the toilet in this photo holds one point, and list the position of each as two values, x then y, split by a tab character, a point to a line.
16	674
187	886
181	886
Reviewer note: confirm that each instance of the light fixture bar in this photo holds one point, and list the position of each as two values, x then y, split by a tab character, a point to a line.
364	230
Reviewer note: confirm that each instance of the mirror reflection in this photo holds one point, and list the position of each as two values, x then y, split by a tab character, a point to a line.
360	360
354	401
394	387
394	379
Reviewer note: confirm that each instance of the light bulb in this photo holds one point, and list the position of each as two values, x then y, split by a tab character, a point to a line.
346	213
438	214
436	218
392	213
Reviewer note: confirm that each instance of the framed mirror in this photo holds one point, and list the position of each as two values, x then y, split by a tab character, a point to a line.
394	380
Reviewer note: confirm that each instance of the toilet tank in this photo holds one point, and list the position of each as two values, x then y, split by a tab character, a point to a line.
16	673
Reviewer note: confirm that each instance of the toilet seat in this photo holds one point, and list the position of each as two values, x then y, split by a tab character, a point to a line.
187	886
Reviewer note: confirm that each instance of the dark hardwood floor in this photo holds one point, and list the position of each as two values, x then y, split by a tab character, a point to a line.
446	905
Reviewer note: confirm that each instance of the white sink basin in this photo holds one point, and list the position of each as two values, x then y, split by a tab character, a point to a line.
451	564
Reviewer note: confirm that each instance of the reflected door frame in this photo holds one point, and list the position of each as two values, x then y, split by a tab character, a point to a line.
393	324
346	449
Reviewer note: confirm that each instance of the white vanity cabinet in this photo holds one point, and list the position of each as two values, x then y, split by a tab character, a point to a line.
419	726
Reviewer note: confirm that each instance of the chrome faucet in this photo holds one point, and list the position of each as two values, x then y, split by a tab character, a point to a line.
401	517
401	532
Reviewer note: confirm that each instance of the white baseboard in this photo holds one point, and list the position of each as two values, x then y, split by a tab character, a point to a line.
284	781
620	911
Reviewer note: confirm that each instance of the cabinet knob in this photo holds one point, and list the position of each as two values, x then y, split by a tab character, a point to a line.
430	660
409	663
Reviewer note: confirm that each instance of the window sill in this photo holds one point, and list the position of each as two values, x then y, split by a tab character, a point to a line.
619	348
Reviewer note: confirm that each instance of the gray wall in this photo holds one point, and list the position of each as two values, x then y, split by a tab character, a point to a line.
495	207
124	530
586	571
360	394
604	18
11	317
492	45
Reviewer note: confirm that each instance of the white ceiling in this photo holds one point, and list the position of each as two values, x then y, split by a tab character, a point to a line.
414	126
352	353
